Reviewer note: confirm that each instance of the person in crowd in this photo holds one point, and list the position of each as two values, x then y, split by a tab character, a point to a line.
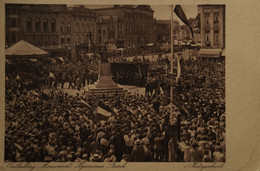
218	156
195	153
172	150
138	152
41	127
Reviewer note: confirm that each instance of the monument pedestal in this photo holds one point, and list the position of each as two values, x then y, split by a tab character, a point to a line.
105	84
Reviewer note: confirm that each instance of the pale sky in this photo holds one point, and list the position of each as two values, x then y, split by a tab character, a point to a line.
161	12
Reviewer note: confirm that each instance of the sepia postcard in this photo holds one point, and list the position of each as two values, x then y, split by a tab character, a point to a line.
129	85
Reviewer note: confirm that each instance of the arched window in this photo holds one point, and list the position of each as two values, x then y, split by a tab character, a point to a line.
207	38
29	24
37	25
77	27
62	28
82	27
76	38
68	28
53	25
207	18
45	25
92	27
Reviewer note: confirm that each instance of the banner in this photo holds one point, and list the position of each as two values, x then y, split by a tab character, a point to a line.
51	75
85	103
178	68
103	111
180	13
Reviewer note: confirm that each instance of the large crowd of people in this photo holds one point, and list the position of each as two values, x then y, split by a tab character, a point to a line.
50	125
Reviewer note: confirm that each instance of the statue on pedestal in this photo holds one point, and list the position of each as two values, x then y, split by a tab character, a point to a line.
105	83
105	75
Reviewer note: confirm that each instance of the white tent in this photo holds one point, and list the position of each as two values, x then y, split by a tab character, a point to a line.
209	53
24	49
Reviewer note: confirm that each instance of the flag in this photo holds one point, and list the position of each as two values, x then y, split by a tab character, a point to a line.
61	59
85	103
197	22
161	90
115	111
18	146
139	108
103	111
180	13
51	75
178	68
129	109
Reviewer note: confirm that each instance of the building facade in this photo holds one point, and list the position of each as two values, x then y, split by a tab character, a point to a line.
12	24
210	29
58	29
83	29
134	26
73	31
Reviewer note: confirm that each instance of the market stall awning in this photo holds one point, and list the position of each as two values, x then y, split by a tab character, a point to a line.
24	49
209	53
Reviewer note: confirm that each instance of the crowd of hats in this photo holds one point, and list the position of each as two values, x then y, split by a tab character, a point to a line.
202	94
71	71
54	126
36	73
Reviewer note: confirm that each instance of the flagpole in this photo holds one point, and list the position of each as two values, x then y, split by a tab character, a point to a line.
171	100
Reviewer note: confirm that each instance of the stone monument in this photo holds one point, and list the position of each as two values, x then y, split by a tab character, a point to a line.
105	84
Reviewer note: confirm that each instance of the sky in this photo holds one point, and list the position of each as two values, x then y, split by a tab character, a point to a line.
162	12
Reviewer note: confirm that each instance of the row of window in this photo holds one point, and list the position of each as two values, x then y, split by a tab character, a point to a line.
11	37
138	16
44	26
41	26
84	28
65	40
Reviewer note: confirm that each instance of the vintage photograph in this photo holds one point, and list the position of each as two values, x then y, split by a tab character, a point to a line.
115	83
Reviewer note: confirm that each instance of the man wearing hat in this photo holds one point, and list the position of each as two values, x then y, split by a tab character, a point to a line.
218	156
95	158
138	152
